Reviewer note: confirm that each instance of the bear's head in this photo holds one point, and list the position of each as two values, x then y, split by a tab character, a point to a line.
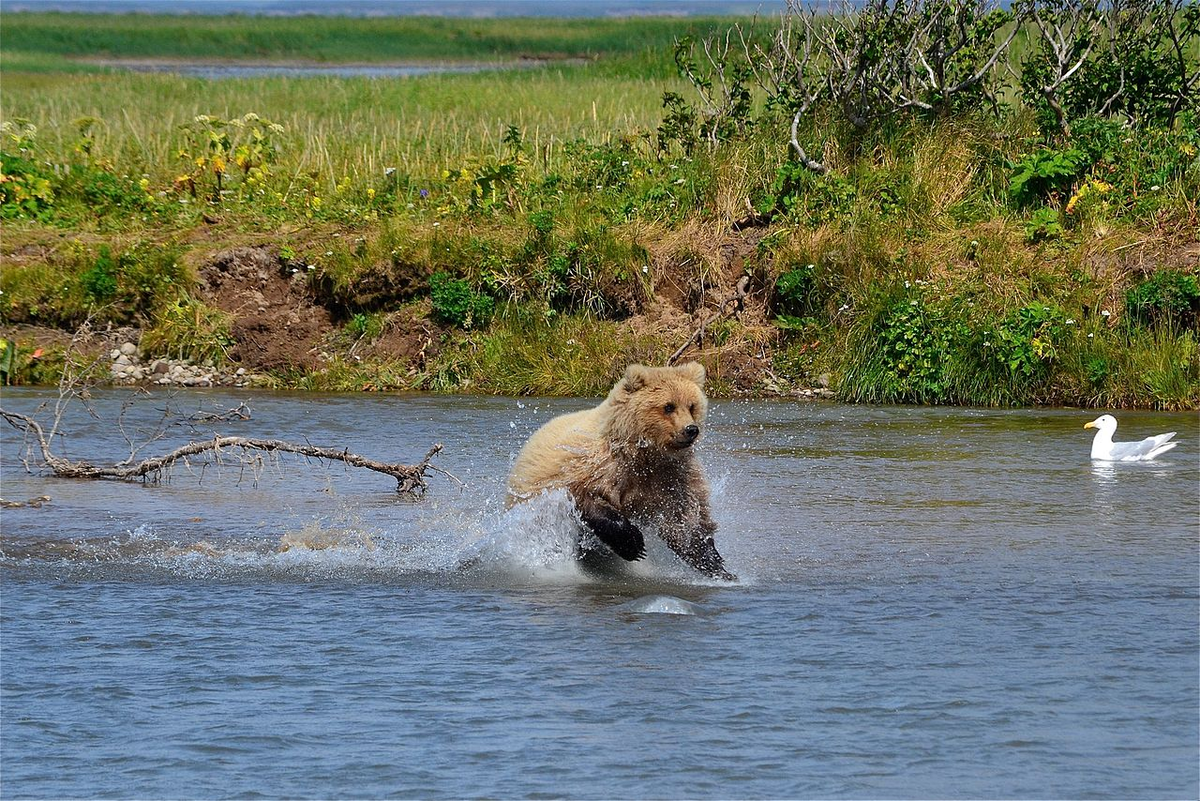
658	407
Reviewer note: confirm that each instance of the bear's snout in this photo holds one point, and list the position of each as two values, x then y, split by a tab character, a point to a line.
691	432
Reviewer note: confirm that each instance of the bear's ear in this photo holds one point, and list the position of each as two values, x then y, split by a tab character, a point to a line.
636	376
693	371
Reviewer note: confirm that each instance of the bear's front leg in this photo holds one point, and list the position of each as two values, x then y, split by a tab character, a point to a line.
696	546
691	534
611	527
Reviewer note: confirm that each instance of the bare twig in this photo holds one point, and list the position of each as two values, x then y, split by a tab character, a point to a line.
730	303
410	478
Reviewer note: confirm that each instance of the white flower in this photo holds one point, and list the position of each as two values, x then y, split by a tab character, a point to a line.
681	181
1091	335
1106	313
1070	321
389	172
329	253
1155	188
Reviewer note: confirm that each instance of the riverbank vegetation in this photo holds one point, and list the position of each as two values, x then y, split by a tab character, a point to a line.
1024	236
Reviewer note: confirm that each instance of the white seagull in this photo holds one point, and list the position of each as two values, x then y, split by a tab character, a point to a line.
1104	449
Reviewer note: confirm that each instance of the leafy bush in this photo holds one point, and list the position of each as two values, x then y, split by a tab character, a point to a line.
99	281
1129	59
1026	342
906	351
1039	174
150	275
1044	225
366	326
793	292
798	192
1169	296
456	303
25	191
678	125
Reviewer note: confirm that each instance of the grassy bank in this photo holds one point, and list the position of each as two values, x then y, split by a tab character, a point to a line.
531	231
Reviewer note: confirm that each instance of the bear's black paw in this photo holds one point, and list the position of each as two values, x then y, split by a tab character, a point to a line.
621	536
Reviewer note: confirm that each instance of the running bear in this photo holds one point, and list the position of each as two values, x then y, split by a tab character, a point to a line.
629	462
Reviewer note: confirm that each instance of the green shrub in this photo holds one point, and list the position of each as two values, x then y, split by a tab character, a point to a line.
906	351
804	195
25	191
793	292
366	326
150	276
99	281
1168	296
1047	171
456	303
1045	225
1025	343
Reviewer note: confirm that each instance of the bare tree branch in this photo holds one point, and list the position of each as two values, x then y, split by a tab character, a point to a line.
410	478
697	338
218	450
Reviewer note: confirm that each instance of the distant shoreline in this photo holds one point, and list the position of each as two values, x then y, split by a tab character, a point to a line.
163	63
406	8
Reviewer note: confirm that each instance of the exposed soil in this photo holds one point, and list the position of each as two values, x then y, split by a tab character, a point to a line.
276	323
279	323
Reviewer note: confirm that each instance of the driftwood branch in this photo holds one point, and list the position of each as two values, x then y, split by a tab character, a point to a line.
734	301
410	479
244	452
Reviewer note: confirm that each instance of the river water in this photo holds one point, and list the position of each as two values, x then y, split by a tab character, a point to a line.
218	70
932	603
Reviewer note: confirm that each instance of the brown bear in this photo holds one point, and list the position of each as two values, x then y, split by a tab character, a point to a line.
630	462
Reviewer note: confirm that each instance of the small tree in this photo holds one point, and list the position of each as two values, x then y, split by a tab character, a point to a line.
1133	58
869	64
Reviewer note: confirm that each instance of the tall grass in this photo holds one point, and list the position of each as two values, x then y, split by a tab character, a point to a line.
342	39
340	127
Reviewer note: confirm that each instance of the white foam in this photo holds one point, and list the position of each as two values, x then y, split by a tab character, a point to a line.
661	605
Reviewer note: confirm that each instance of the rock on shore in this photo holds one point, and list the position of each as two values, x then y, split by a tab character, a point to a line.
128	368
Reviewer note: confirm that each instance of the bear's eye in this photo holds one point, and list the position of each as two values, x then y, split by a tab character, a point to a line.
692	410
669	409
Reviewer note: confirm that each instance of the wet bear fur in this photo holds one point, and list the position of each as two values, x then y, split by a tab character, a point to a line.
630	462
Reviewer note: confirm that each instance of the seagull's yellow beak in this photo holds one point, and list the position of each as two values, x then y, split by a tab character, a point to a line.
1090	425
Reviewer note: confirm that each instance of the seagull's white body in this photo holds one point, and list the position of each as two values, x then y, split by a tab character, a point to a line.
1104	449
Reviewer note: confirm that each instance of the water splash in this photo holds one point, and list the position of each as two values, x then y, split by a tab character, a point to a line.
537	542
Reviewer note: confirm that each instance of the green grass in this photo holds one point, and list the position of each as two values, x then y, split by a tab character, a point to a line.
339	127
341	39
